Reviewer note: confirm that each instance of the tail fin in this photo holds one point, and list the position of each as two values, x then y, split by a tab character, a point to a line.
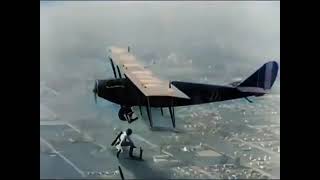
262	79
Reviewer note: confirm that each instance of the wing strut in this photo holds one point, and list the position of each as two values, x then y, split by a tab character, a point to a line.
149	113
171	109
173	119
119	72
114	70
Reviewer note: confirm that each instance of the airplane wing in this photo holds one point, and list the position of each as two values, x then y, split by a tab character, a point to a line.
142	78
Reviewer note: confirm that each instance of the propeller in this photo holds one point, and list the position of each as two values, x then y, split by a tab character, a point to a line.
95	91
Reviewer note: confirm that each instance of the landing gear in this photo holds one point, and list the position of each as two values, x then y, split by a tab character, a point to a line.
149	113
173	119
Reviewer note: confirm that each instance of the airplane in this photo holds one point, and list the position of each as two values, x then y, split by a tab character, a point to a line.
140	87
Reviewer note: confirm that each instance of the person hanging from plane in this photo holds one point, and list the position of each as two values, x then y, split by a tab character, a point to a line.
126	114
122	140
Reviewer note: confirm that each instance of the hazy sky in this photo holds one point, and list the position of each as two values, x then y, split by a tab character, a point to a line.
82	30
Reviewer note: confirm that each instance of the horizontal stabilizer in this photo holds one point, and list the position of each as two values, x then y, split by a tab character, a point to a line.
253	90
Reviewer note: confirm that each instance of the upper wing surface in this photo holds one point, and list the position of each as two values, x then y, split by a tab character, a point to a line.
142	78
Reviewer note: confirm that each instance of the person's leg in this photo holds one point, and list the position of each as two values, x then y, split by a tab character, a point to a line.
131	150
126	117
118	153
125	143
132	117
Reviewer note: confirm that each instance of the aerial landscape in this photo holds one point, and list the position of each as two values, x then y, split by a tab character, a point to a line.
201	42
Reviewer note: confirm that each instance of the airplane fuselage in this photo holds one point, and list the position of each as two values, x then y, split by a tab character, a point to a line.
123	92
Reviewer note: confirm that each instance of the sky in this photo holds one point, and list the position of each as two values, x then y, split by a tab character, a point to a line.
81	29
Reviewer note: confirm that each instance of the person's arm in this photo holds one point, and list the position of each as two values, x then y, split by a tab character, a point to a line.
121	138
116	139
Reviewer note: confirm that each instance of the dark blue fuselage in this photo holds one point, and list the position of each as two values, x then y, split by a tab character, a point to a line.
124	92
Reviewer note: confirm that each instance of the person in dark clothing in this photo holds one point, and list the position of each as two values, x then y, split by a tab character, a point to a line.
126	114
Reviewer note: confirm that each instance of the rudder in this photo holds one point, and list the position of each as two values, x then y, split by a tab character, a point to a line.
263	78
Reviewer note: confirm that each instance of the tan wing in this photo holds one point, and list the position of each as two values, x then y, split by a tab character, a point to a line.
144	79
